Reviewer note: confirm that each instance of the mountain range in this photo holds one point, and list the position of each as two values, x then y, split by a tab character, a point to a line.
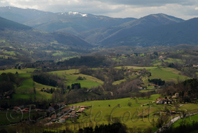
107	32
11	31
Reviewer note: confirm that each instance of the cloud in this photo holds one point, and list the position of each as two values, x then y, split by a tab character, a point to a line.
114	8
145	2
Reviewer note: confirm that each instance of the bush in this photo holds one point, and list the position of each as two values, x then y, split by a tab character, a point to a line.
129	104
81	78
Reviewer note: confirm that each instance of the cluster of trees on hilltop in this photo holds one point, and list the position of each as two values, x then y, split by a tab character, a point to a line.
157	81
48	79
103	74
45	79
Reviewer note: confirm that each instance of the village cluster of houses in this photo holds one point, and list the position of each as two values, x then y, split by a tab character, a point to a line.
65	113
26	109
166	100
195	66
163	101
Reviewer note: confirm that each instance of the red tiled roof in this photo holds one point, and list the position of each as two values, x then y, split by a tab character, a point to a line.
53	116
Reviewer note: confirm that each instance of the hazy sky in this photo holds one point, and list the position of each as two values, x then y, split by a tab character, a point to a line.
185	9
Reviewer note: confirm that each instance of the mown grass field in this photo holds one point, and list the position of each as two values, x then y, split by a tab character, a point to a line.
169	60
72	75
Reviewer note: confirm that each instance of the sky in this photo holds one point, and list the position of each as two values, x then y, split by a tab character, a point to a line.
185	9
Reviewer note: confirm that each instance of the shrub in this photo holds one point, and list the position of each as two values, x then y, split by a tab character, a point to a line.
129	104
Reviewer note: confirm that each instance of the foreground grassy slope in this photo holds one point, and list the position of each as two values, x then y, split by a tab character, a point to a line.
101	109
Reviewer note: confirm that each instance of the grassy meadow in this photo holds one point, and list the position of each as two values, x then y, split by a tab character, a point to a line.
189	119
20	71
169	60
167	74
72	75
129	115
136	67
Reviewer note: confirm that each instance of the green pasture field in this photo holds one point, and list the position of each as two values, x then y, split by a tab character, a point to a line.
67	53
25	91
2	40
117	59
173	60
59	54
167	74
6	57
40	94
123	80
100	110
189	106
186	55
25	87
10	117
142	91
72	74
169	60
150	88
17	70
135	67
189	120
119	81
67	58
10	53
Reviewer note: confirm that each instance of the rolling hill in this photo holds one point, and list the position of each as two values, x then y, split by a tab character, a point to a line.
128	35
181	33
184	32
